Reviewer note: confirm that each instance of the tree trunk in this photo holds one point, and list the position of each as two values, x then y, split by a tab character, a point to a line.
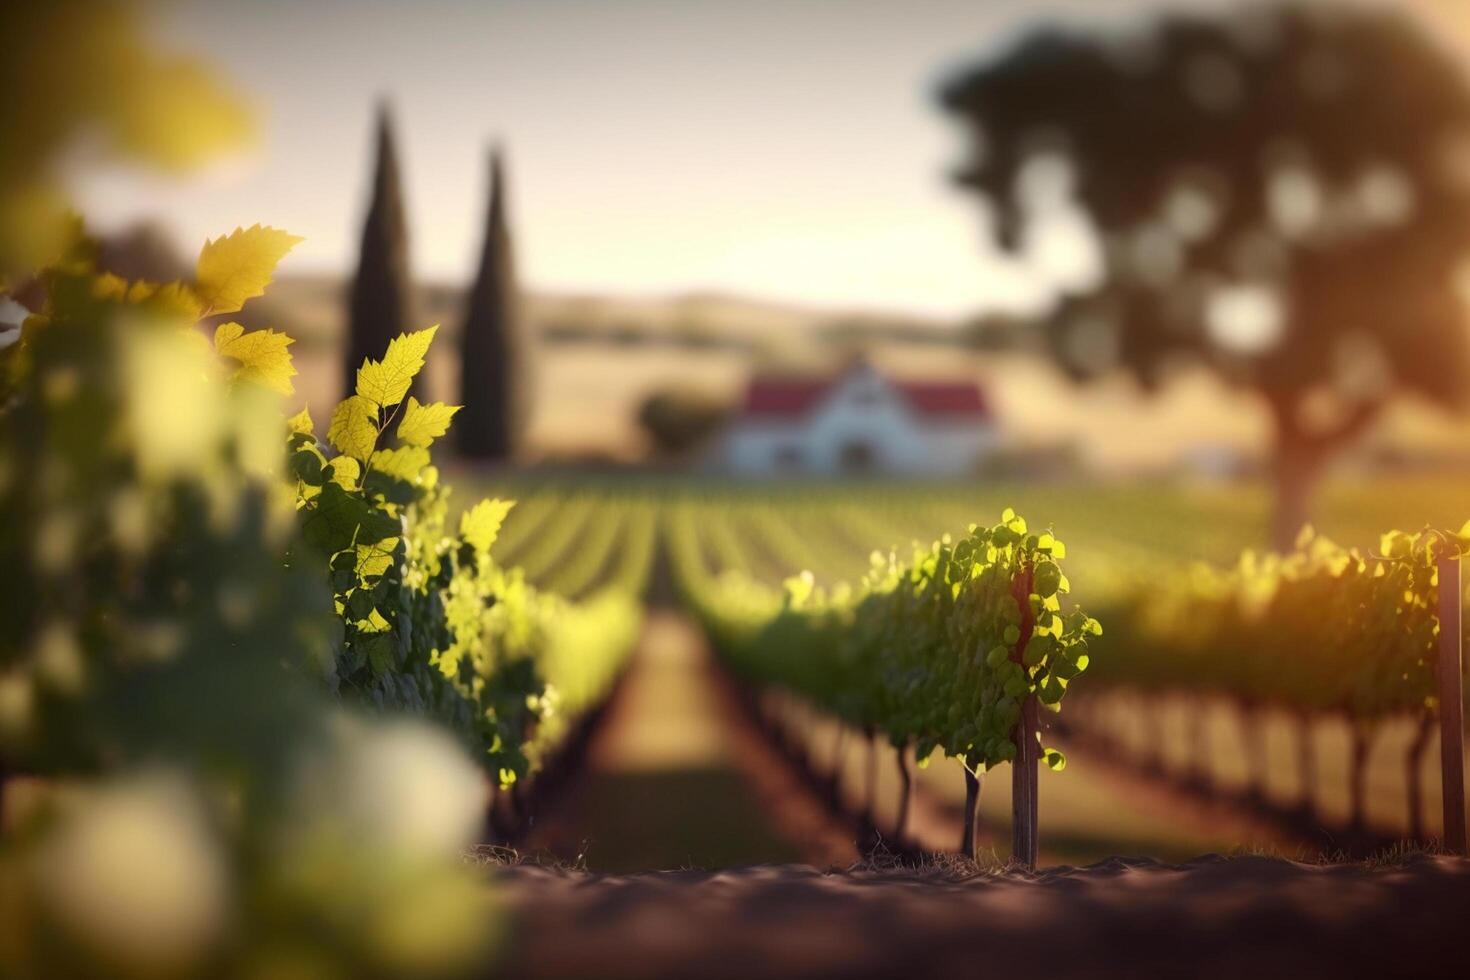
838	753
522	803
797	732
1204	759
1306	763
1301	455
1296	474
906	785
972	803
502	823
1358	778
1414	765
1253	734
1156	732
872	805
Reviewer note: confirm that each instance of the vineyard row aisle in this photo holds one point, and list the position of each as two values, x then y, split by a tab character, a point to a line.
676	778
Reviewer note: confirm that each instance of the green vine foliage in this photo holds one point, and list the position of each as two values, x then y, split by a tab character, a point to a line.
1321	629
431	624
940	652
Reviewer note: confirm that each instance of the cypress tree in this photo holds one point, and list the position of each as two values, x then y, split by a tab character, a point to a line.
379	302
492	361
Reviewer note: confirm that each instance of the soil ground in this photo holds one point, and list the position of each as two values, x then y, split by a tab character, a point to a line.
1213	917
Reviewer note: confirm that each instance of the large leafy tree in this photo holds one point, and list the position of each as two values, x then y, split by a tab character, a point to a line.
492	351
379	303
1279	192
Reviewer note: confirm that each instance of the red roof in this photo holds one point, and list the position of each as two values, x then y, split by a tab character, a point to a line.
777	397
944	397
782	396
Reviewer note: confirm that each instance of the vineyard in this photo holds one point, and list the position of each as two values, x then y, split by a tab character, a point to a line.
741	566
237	612
1336	750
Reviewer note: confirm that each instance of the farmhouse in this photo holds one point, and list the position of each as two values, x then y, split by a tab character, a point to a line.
858	421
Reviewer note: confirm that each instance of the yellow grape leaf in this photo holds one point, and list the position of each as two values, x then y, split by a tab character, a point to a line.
422	424
481	523
111	286
376	559
386	382
262	354
402	463
345	471
238	266
301	424
168	299
354	428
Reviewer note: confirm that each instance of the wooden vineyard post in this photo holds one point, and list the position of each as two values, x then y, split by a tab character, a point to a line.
972	802
1024	772
1451	704
906	789
1024	766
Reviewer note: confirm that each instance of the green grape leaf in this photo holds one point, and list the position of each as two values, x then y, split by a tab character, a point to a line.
379	648
306	466
1037	649
1046	579
1054	760
360	604
339	519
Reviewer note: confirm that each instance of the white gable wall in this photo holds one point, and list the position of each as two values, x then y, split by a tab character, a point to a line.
864	424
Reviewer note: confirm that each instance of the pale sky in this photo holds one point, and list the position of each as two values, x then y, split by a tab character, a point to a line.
783	149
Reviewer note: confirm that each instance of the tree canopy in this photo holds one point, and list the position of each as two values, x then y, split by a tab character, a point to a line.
1281	192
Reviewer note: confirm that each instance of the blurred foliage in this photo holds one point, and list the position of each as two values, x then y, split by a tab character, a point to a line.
680	420
1321	629
205	810
84	85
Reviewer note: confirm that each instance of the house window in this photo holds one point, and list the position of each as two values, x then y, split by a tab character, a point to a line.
857	456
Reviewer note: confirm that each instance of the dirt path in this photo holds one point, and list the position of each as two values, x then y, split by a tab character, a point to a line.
677	778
